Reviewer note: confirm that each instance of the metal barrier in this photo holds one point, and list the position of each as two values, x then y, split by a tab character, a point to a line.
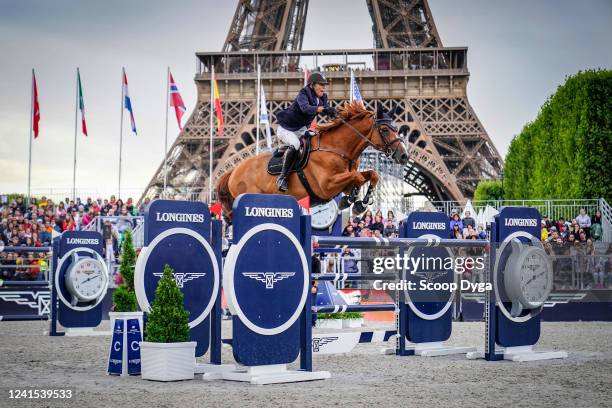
18	299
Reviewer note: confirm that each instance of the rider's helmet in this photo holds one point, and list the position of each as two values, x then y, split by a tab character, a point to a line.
317	78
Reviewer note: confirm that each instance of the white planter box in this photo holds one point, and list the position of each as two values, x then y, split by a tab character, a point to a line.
352	323
167	361
125	316
329	323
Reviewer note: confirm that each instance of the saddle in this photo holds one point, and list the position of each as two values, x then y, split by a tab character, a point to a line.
276	161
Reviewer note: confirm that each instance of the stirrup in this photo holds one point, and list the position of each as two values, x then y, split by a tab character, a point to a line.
282	184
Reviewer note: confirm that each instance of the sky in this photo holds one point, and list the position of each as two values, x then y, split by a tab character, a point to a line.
519	53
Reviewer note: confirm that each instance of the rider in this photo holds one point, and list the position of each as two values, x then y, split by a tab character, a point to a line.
293	122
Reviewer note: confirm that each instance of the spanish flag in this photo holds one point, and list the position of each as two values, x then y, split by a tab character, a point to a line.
218	110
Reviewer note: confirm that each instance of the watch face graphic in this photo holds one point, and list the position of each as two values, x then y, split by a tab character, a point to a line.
528	277
86	279
323	216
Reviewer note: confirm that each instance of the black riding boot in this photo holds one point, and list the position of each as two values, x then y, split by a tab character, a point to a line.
281	183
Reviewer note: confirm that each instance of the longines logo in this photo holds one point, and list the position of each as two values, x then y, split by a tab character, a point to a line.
268	212
520	222
428	225
269	278
179	217
318	342
182	277
83	241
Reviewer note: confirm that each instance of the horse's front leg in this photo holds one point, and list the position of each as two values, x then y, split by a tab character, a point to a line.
372	178
348	182
349	197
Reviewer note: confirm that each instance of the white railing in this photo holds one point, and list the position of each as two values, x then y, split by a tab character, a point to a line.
553	208
58	194
606	219
138	235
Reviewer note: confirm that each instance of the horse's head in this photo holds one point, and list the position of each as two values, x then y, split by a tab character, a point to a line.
386	136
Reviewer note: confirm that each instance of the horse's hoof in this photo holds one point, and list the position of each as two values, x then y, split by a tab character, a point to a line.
345	202
359	208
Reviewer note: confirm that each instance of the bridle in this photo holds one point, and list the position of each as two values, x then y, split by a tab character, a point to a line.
383	126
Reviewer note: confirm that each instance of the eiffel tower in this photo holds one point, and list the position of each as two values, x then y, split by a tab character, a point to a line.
408	67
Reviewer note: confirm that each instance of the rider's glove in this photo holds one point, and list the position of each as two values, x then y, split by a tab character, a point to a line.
329	111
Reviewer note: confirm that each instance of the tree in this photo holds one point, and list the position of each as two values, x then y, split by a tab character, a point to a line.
168	320
565	152
124	297
488	191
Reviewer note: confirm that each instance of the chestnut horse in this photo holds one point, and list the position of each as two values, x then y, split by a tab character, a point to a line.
334	160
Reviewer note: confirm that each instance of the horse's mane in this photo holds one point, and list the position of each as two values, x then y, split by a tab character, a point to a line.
348	112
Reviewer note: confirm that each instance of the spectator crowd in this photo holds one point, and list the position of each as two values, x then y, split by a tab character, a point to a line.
580	259
34	225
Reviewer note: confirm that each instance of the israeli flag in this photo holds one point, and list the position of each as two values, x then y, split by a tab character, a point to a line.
264	118
355	94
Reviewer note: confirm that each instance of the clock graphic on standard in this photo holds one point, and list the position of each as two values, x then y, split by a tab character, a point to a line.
324	215
86	279
528	277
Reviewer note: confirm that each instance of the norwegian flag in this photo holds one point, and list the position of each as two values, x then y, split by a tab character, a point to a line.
177	101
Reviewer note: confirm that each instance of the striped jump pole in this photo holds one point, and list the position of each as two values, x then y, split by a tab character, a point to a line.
383	307
343	277
355	242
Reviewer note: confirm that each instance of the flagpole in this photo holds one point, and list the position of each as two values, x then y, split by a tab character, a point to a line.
76	111
121	132
257	108
166	134
30	143
212	110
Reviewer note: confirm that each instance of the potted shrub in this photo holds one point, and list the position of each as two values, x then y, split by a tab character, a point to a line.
329	321
339	320
125	305
167	354
352	320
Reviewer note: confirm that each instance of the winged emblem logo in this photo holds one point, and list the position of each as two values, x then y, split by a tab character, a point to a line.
182	277
318	342
431	276
269	278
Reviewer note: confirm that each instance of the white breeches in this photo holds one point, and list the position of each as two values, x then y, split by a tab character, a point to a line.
290	138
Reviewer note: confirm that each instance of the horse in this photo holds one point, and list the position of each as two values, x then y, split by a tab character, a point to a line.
332	166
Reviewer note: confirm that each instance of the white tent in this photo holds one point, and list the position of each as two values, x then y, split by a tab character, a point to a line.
480	219
470	208
489	214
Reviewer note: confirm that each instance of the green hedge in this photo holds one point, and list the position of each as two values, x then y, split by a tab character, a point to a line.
487	192
566	151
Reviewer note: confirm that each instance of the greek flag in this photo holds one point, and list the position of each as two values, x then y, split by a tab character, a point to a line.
355	94
264	118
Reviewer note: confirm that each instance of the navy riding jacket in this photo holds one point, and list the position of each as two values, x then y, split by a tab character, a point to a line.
302	111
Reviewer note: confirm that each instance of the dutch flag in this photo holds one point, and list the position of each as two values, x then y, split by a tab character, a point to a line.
127	103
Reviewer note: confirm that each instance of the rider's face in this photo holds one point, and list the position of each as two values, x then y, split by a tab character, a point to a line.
319	90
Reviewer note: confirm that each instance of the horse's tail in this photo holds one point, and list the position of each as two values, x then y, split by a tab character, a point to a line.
224	195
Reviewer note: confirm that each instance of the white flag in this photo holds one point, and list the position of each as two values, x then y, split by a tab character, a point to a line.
264	119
